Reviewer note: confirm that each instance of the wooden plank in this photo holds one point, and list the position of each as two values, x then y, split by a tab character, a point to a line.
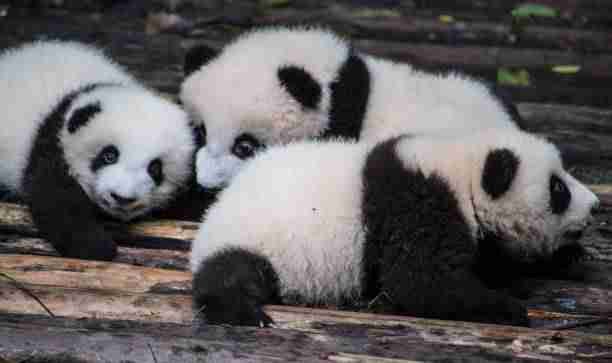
161	67
77	288
408	27
16	218
85	274
158	258
338	337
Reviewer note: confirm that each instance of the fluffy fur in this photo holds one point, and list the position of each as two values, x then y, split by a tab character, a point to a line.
81	135
284	84
403	223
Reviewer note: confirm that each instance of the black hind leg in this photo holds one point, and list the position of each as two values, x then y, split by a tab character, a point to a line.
232	286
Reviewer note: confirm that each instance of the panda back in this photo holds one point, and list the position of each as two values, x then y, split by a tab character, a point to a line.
404	99
33	79
298	206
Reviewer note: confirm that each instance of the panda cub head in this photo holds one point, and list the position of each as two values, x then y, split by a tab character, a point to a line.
515	191
269	87
128	149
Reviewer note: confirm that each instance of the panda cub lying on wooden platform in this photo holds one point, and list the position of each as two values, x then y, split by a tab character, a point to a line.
277	85
79	135
403	223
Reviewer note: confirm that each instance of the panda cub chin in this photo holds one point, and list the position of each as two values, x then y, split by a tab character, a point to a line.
277	85
81	136
401	223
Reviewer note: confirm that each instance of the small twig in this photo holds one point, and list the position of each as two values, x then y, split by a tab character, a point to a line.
576	324
152	352
20	287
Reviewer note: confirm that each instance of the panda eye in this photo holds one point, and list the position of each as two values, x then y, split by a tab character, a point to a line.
200	135
560	195
245	146
155	171
109	155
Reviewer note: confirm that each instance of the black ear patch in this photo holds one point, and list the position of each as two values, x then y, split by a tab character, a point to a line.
81	116
300	85
499	171
196	57
350	93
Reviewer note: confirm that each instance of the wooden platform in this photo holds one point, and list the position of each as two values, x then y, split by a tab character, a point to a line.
138	308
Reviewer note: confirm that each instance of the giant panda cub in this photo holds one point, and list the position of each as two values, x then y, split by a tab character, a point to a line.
402	224
80	135
276	85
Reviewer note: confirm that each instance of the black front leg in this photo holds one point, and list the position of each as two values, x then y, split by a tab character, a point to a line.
450	295
64	214
232	286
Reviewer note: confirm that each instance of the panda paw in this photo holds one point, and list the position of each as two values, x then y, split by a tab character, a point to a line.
509	311
103	250
236	314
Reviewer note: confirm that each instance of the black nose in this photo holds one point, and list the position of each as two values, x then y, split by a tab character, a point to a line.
122	200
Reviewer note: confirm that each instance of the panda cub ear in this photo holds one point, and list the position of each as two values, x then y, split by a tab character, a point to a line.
300	84
196	57
499	171
81	116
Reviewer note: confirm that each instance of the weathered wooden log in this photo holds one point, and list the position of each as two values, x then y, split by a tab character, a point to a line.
158	59
94	303
158	258
16	218
84	274
339	337
413	28
80	288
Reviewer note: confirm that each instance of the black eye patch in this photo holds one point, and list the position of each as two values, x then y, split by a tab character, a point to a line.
499	171
245	146
107	156
81	116
155	170
560	196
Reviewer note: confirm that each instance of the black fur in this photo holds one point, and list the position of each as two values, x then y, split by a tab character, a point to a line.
300	84
81	116
349	99
560	196
499	171
419	252
499	268
196	57
232	286
61	210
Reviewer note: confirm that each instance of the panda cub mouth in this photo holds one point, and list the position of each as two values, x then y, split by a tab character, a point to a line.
124	213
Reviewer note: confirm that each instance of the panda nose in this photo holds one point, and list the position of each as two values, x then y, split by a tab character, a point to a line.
122	200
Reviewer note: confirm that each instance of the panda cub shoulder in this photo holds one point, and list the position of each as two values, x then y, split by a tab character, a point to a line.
277	85
80	135
405	221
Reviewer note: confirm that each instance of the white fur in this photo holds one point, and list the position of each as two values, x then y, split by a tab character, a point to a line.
300	205
307	226
142	125
239	92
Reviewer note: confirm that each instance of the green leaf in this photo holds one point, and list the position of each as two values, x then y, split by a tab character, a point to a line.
566	69
534	10
446	19
518	77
